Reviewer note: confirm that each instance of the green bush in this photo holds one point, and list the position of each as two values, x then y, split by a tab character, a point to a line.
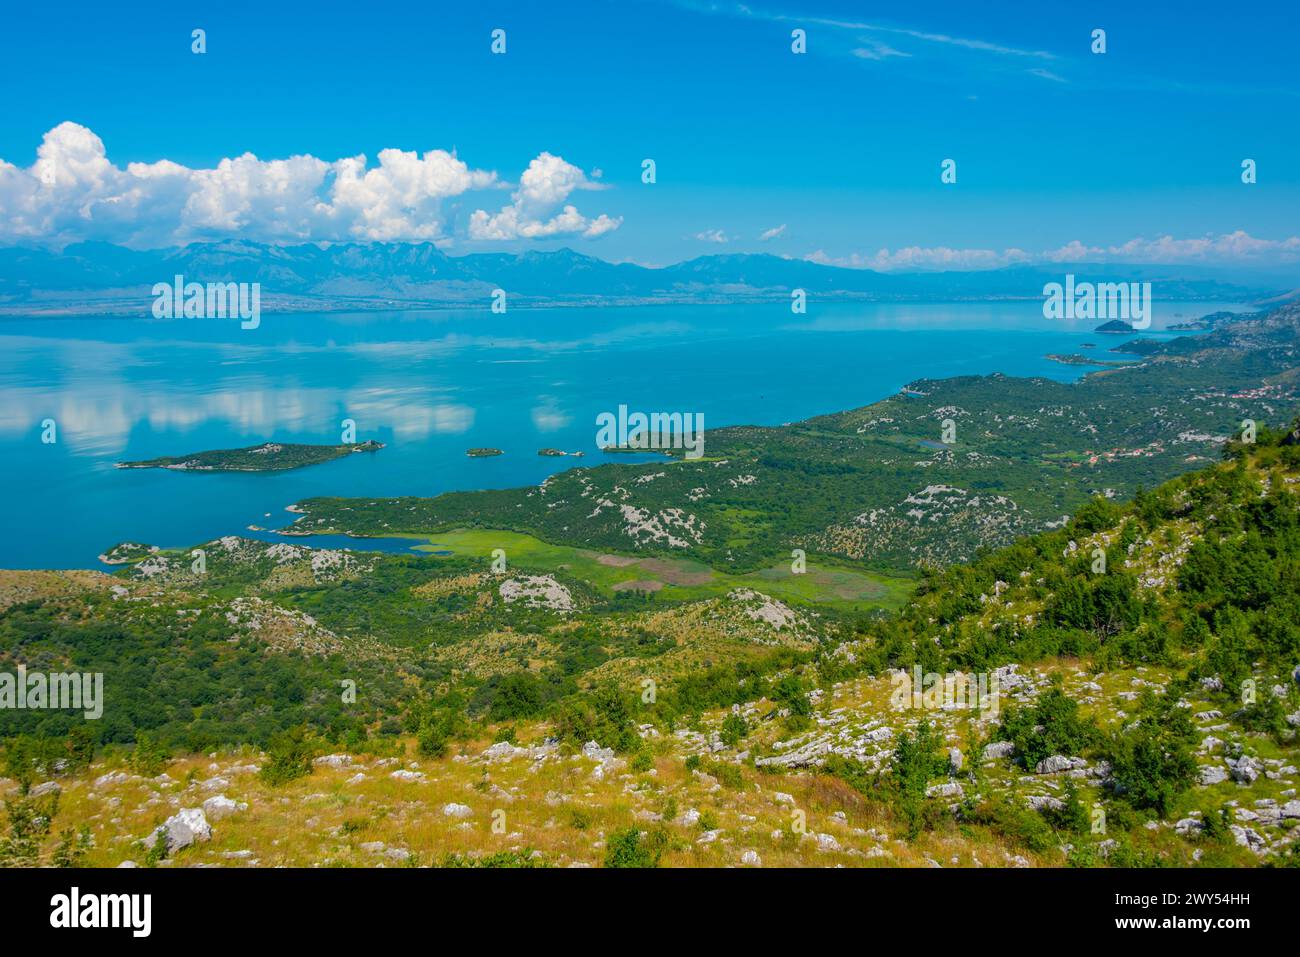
1154	762
728	774
501	859
734	730
1019	824
288	757
642	761
632	848
28	821
1072	816
916	760
1052	725
604	716
148	758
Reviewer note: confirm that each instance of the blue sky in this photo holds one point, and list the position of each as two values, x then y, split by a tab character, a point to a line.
842	146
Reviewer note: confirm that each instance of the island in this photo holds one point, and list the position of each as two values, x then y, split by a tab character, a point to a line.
555	453
267	457
1115	327
483	453
1073	360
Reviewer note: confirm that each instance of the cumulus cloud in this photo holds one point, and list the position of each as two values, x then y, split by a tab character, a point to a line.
772	233
713	236
538	209
1238	246
73	191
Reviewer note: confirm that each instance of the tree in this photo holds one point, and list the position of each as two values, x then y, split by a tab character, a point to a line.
734	730
916	760
288	757
1154	762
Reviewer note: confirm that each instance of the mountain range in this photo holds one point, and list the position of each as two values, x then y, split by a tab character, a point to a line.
105	278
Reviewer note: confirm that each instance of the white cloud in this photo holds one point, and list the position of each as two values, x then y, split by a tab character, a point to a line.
532	214
1237	247
854	26
73	191
1047	75
876	51
548	416
713	236
917	257
772	233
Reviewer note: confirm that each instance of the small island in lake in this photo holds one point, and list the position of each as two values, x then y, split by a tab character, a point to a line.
1073	360
267	457
555	453
483	453
1115	327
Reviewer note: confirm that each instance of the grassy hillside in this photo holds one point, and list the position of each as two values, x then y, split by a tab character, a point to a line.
1146	710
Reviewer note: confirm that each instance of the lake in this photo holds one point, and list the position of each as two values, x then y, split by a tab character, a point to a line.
431	385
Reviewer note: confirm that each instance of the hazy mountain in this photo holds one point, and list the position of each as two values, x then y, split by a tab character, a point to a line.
100	275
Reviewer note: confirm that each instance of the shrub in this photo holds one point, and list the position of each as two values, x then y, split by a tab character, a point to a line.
1052	725
436	728
1153	763
632	848
72	847
148	758
734	730
29	820
1019	824
916	760
1071	816
1217	825
851	771
517	695
288	757
728	774
642	761
791	692
1102	604
1266	715
524	858
603	716
579	819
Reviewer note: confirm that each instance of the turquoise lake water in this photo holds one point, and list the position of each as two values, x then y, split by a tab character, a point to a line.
431	385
